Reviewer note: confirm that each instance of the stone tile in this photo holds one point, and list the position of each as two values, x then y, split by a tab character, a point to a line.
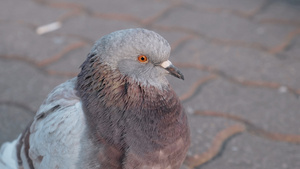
243	5
276	9
268	109
22	41
225	27
204	130
22	83
141	9
244	63
13	121
92	28
248	152
28	11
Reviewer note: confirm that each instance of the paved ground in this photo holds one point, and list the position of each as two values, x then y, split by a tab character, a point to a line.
241	60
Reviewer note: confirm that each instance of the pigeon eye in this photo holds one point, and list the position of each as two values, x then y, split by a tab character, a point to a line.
143	59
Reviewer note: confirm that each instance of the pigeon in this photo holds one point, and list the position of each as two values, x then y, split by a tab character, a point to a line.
118	113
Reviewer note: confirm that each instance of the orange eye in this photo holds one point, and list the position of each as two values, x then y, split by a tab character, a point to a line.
143	59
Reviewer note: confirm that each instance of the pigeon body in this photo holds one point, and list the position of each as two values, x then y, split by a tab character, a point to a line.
118	113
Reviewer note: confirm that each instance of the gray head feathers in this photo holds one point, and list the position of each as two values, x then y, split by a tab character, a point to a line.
129	44
120	50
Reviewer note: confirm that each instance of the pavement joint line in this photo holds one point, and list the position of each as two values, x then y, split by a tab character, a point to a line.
58	56
192	90
241	81
278	21
224	42
216	149
34	64
286	42
151	20
77	9
252	128
249	15
221	138
180	42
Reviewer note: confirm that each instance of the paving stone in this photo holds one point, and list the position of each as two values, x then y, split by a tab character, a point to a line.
24	42
260	66
200	126
226	26
243	5
141	9
276	9
268	109
92	28
28	12
248	152
13	120
22	83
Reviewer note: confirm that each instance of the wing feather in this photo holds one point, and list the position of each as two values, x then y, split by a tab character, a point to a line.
57	129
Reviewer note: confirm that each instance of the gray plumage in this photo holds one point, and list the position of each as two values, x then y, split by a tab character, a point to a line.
120	49
124	112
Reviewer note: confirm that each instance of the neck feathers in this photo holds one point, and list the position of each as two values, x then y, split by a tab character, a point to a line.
125	115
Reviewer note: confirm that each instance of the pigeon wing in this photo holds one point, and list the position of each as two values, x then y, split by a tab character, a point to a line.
55	134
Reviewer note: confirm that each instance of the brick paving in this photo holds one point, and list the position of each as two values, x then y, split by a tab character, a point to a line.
241	61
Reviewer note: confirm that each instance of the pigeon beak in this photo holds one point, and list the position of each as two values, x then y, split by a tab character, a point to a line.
172	69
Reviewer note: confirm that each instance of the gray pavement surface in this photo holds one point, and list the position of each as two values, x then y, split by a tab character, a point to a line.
239	57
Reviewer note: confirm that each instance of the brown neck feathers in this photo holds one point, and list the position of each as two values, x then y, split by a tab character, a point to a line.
124	114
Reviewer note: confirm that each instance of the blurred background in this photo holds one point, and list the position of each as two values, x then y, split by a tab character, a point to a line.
240	58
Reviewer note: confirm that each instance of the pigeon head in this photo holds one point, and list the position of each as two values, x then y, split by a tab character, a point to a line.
137	53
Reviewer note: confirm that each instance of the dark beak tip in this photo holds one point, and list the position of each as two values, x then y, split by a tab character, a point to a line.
175	72
180	75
